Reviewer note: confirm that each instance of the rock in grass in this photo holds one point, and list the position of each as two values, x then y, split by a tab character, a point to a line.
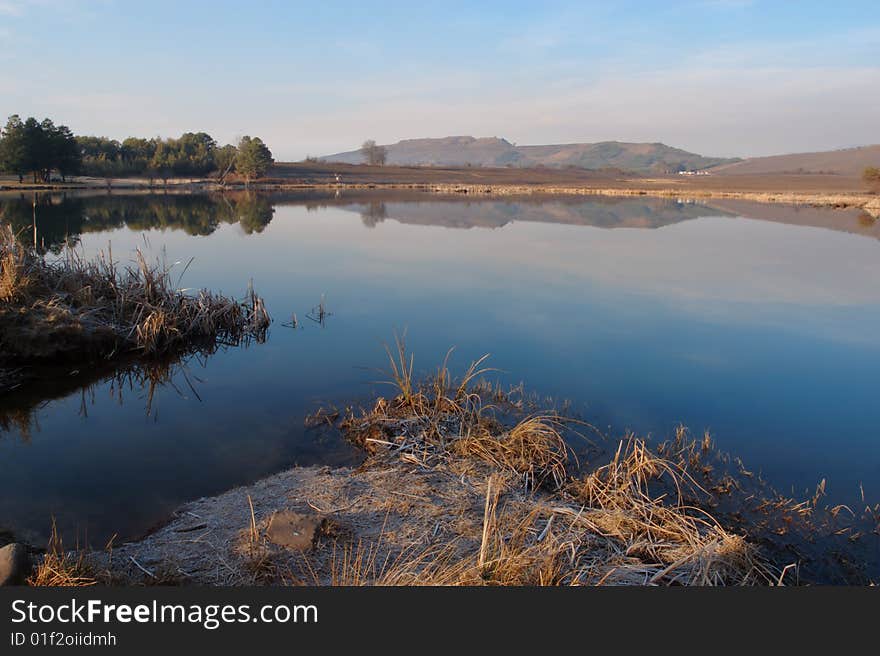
292	529
15	564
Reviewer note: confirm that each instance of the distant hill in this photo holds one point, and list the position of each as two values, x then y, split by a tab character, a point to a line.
497	152
850	161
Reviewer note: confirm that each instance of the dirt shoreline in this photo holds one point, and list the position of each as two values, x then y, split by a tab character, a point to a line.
207	541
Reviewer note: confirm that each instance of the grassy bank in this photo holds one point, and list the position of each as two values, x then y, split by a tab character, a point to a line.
868	202
464	483
73	309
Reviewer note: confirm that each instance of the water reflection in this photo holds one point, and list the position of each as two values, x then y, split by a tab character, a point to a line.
112	449
649	311
121	378
599	213
374	213
63	218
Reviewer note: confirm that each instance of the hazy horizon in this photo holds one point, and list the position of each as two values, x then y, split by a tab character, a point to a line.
726	78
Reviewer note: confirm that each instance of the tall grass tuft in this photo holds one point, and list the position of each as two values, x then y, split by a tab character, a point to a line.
632	518
73	308
61	568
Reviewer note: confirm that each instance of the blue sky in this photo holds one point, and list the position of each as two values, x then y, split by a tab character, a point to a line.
722	77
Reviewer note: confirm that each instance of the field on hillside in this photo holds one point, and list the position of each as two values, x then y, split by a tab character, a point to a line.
324	173
847	162
320	174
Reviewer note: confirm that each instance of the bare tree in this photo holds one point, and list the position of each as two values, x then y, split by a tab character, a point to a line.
373	154
871	176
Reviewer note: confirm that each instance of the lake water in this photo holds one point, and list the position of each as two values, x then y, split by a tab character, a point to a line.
758	323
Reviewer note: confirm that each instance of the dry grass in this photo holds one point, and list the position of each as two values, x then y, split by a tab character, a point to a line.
625	537
443	418
363	564
533	449
77	308
658	537
631	520
60	568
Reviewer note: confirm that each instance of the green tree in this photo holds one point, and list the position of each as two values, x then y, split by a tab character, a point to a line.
194	153
254	158
42	147
100	148
224	160
65	155
14	156
163	160
101	156
36	146
137	153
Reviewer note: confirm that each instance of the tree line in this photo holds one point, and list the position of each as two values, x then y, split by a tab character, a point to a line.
41	148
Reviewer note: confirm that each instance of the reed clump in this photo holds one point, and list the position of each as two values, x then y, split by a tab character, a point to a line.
637	504
555	539
61	568
73	308
635	518
443	418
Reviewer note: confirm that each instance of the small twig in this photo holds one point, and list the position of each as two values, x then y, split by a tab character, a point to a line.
546	529
255	536
142	568
784	572
487	516
411	496
333	510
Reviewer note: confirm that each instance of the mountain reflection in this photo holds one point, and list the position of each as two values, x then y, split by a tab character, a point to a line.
599	213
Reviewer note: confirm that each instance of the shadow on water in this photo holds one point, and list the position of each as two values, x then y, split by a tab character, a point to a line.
130	375
121	496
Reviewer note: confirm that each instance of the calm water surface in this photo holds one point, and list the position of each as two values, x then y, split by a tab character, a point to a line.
645	313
